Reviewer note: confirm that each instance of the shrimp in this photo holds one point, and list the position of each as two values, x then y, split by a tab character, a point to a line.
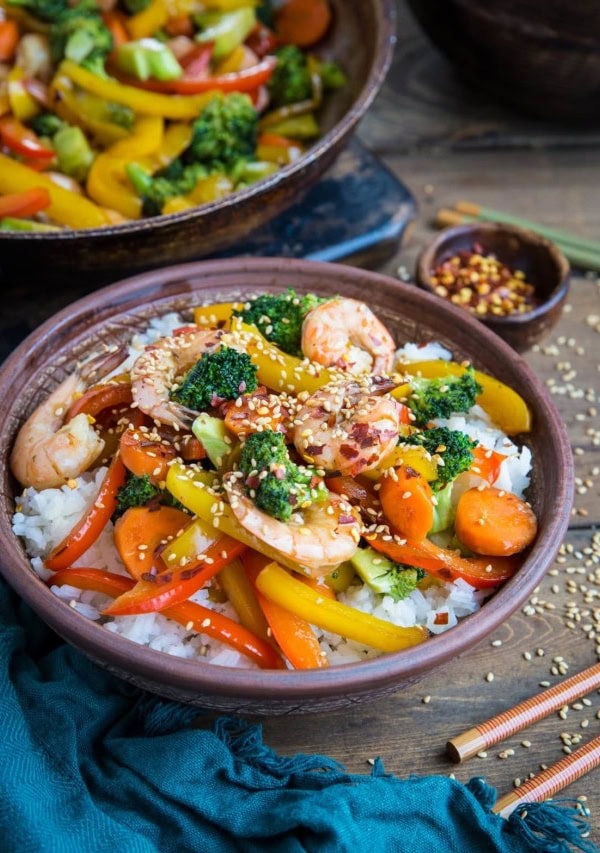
345	333
156	369
347	427
317	538
47	452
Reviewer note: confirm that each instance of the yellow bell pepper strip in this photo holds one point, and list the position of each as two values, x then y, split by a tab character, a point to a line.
191	486
177	204
207	189
108	185
66	208
276	369
280	587
176	139
22	104
84	110
142	102
148	21
506	408
242	597
193	617
231	63
416	457
218	314
293	634
145	138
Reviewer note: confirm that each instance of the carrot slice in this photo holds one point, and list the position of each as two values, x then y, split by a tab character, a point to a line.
406	500
294	635
302	22
494	522
140	532
146	455
88	529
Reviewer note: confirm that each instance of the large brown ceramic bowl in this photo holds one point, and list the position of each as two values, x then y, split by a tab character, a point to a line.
112	314
361	39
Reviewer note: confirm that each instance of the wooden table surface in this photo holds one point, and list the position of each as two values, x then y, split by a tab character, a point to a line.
446	143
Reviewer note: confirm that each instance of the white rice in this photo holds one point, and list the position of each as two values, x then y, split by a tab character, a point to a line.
44	518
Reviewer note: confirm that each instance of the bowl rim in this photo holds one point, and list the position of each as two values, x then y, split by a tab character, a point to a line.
425	262
288	686
383	52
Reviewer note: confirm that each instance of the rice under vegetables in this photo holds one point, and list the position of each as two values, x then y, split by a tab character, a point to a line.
44	518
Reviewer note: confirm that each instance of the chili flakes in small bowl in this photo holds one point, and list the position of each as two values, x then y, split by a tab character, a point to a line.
512	279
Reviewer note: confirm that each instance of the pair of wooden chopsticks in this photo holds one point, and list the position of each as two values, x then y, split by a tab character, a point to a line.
556	777
580	251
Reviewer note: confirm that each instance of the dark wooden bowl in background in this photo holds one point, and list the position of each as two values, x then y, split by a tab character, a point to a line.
361	39
542	56
544	265
113	314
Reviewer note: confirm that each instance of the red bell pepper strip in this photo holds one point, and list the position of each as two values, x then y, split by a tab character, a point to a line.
23	141
26	203
196	62
100	397
486	463
197	618
245	80
262	40
88	529
157	592
479	572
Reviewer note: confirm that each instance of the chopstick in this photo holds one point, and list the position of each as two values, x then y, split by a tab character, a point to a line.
503	725
580	251
556	777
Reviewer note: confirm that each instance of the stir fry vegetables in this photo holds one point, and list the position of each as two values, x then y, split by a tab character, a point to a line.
285	505
123	109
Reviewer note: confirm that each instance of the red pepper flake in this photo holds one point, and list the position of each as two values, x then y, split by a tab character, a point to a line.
483	285
440	619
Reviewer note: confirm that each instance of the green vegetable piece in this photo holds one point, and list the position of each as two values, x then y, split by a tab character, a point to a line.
279	317
217	376
45	10
443	510
148	58
224	133
225	29
277	485
73	152
135	6
332	76
10	223
46	124
291	79
442	397
384	576
244	173
304	126
454	447
341	577
140	491
213	435
79	33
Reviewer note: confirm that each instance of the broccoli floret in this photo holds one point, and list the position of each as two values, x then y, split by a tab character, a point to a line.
47	124
224	133
332	76
217	376
45	10
279	317
79	34
156	190
140	491
384	575
291	80
442	397
454	447
277	485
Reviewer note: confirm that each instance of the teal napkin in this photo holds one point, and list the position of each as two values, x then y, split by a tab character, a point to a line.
89	763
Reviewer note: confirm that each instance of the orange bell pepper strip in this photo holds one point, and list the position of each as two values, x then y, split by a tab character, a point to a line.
241	594
9	39
90	526
486	463
192	616
26	203
153	593
100	397
294	635
480	572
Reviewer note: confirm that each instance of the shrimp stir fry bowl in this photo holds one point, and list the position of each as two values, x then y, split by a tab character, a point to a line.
236	484
147	132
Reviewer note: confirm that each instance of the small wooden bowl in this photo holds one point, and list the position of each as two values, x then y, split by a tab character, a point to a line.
113	315
542	262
